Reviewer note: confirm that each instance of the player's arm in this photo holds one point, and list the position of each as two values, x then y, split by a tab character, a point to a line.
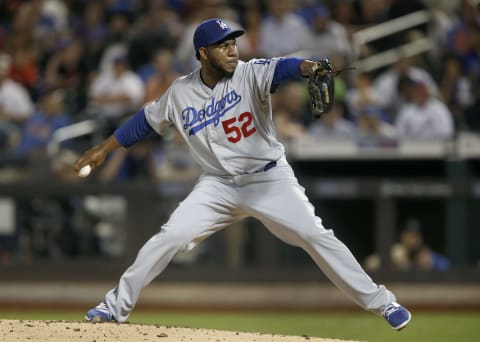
129	133
290	69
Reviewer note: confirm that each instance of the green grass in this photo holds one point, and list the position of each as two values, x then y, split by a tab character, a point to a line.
425	326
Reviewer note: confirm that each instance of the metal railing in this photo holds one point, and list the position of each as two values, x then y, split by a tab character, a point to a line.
70	132
372	33
388	28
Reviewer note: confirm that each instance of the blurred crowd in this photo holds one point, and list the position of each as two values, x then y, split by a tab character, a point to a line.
65	62
62	62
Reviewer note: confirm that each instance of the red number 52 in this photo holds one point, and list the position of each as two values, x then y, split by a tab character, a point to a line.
245	128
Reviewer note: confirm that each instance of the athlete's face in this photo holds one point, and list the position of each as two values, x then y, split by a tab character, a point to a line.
223	57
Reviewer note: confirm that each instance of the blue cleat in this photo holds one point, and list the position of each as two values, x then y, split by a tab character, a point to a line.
397	316
100	313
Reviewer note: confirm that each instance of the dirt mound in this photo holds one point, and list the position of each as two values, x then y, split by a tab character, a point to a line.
61	331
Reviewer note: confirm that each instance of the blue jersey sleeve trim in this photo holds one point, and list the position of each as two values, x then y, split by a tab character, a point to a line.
133	130
286	69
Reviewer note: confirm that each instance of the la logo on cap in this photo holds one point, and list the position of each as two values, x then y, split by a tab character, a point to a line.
222	25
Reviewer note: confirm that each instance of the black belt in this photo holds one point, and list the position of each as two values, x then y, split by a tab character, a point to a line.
268	166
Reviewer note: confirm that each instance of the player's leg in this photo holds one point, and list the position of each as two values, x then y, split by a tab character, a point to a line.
286	211
207	209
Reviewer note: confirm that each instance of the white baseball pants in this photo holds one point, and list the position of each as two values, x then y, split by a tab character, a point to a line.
274	198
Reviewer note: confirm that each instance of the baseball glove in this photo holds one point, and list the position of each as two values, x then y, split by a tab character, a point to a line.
321	82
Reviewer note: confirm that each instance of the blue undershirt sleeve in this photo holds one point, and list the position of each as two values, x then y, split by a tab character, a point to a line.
133	130
286	69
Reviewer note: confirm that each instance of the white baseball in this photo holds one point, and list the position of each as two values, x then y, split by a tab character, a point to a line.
85	171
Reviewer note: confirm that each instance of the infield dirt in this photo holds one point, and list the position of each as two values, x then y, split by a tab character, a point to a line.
61	331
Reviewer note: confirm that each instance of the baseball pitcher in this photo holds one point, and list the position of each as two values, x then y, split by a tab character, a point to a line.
223	112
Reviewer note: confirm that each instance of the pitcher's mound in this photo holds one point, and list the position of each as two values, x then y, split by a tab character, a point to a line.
61	331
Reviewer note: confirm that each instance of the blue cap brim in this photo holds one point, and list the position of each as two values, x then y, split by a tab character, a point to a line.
229	35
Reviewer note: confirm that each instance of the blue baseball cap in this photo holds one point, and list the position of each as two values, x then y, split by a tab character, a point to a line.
212	31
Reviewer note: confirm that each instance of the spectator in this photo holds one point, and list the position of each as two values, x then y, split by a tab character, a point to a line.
21	32
169	15
333	125
114	94
151	34
457	90
67	69
387	84
344	13
16	105
424	117
372	129
330	38
92	29
410	252
24	69
290	114
457	42
164	75
362	95
118	38
38	130
283	31
426	259
53	17
467	53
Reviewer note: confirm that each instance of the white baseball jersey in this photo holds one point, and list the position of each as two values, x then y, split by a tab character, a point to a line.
229	128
